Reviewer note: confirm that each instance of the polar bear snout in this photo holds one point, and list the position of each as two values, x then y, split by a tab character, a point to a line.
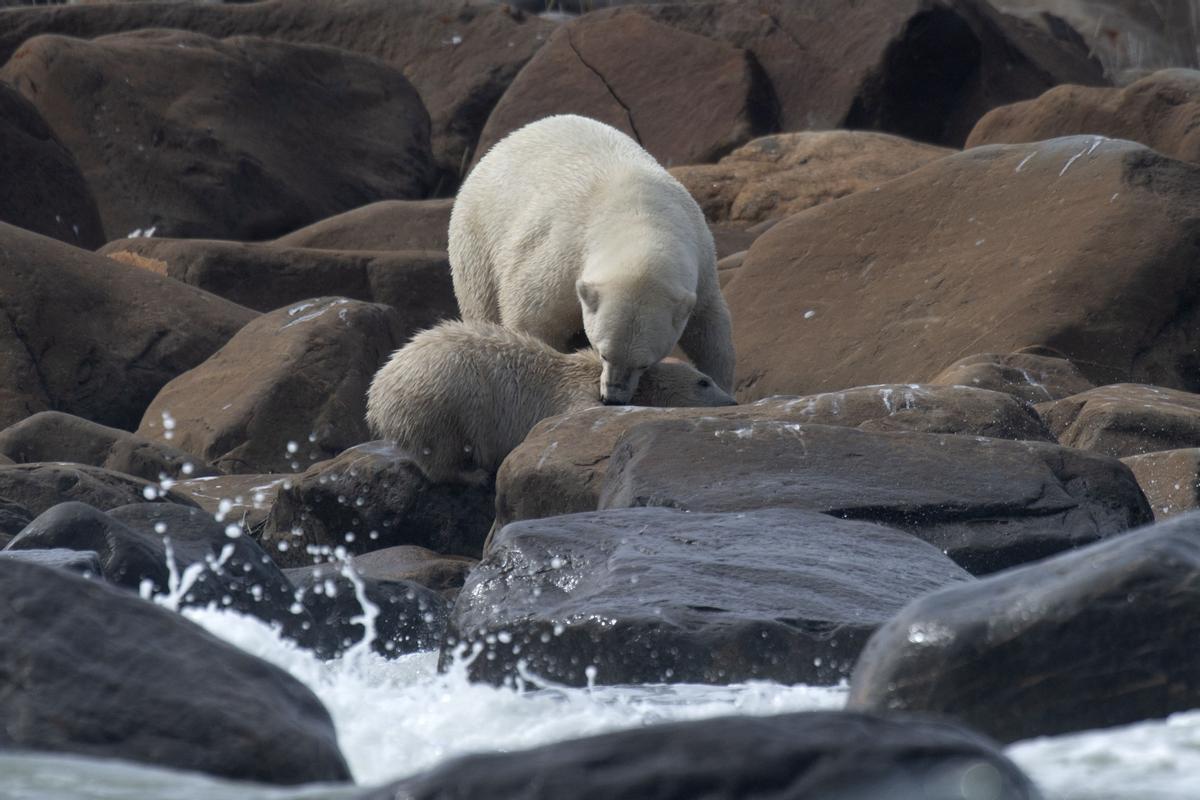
615	394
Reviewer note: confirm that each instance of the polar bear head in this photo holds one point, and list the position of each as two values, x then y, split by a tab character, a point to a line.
672	382
631	326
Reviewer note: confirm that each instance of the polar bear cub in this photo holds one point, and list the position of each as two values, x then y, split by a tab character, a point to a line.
567	224
461	396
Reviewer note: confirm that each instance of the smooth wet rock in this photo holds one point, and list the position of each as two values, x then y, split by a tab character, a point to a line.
386	225
37	487
685	98
406	616
43	190
990	504
370	497
267	276
1170	479
1161	111
54	436
92	670
1099	637
561	465
13	517
288	390
84	562
245	499
1125	419
231	571
1083	244
182	134
1031	377
84	335
831	755
444	574
657	595
460	58
778	175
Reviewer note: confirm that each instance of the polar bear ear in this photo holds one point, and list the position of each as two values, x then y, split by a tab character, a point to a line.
587	295
683	309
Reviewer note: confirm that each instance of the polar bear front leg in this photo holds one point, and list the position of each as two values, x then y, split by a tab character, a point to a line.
707	340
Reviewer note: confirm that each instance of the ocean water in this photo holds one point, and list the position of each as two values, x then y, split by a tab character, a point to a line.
398	717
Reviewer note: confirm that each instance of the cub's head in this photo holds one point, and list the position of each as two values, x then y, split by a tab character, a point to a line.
676	383
631	327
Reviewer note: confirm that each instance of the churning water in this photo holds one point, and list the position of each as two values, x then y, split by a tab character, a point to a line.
398	717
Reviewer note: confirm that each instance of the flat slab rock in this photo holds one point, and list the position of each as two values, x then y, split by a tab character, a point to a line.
1125	419
831	755
1081	244
36	487
560	467
1102	636
385	225
89	669
1030	376
657	595
989	504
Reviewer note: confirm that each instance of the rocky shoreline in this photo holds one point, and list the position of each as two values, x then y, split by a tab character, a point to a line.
961	250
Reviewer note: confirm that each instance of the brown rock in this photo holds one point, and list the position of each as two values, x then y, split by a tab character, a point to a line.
43	190
1170	479
371	497
779	175
919	69
685	98
1081	244
1125	419
1027	376
460	59
420	565
266	276
237	498
562	463
386	225
87	336
37	487
1161	111
989	504
289	389
180	134
54	436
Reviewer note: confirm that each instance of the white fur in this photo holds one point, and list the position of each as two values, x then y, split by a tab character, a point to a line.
568	225
461	396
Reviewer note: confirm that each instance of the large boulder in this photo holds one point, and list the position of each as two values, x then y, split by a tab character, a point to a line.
685	98
1125	419
1170	479
266	276
1161	111
776	176
657	595
386	225
407	563
54	436
988	503
460	58
1085	245
370	497
92	670
919	69
43	190
180	134
289	389
832	755
1102	636
174	551
560	467
37	487
82	334
1034	377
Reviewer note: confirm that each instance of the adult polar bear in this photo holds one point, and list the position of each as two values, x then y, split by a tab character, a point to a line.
567	224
